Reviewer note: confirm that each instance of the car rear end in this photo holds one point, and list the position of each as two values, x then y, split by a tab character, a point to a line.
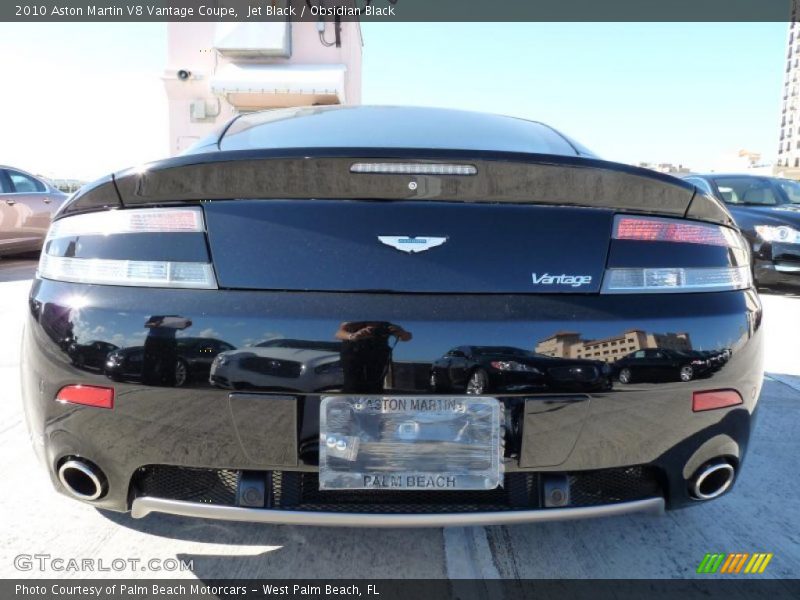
541	252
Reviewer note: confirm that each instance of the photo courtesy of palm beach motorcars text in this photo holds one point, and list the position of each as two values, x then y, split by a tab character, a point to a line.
162	589
317	299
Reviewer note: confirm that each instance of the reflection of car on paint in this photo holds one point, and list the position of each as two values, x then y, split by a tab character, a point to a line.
280	364
494	369
662	364
193	362
90	356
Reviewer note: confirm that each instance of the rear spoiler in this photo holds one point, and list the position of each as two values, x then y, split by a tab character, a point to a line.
325	174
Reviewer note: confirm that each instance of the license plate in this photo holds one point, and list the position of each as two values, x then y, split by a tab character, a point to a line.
410	443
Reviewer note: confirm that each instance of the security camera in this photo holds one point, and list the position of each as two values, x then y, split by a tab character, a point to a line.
183	74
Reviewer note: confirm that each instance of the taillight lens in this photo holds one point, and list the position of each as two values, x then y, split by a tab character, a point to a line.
140	220
651	229
622	281
734	275
59	262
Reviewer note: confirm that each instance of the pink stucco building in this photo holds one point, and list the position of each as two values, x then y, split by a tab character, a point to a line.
216	70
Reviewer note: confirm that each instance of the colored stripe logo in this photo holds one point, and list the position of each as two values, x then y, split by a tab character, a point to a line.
734	563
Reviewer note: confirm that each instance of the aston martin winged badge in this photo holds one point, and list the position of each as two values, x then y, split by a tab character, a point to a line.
412	243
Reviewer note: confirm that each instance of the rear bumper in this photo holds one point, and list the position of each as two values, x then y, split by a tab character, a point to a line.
554	431
146	505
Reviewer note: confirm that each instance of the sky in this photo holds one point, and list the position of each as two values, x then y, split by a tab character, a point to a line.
81	100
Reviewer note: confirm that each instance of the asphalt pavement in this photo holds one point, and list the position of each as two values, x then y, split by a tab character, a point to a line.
762	514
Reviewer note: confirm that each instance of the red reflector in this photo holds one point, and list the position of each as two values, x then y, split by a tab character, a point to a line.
88	395
717	399
657	230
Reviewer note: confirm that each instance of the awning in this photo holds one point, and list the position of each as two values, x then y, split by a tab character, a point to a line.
250	85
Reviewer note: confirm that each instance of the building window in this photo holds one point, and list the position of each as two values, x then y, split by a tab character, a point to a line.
797	162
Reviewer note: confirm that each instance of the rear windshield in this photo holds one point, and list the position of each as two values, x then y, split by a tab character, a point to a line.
392	127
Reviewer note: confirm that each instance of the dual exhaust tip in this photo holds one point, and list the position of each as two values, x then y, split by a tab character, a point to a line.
82	479
712	480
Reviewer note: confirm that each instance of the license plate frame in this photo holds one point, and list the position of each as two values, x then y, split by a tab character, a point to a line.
410	443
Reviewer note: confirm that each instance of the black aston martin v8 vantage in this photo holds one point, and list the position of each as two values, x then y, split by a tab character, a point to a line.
332	270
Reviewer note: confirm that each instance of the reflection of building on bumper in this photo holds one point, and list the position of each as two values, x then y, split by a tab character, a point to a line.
568	344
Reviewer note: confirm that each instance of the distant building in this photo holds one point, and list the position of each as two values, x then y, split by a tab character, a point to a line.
665	167
217	70
788	163
566	344
741	161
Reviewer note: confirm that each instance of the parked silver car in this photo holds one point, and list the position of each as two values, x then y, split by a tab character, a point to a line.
27	204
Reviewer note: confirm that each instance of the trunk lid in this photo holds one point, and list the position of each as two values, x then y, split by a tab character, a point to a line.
407	246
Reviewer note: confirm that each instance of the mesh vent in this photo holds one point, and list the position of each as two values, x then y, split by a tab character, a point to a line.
208	486
292	490
589	488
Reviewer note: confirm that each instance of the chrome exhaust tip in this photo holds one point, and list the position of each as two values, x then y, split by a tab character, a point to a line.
82	479
712	480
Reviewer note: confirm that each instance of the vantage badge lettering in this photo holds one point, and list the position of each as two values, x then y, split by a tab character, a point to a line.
563	279
406	243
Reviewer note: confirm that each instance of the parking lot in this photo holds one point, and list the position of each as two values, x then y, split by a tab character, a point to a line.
761	515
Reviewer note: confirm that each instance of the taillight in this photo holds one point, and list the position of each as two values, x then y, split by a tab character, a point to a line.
734	274
116	247
87	395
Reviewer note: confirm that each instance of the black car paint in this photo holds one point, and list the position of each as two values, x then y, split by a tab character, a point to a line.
768	257
558	429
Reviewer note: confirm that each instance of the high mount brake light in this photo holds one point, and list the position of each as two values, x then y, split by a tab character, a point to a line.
146	273
413	168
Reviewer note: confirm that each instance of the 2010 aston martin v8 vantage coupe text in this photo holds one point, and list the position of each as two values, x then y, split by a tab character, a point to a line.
391	316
